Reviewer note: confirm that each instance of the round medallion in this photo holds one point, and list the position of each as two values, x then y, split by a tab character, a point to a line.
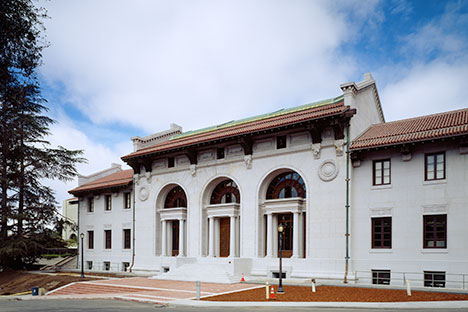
143	193
328	170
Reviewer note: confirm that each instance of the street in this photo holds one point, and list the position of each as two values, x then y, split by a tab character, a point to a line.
117	306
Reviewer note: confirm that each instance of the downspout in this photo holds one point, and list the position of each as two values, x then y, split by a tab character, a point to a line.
347	206
133	228
77	236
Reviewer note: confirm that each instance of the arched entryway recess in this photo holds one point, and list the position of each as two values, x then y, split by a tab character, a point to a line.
282	199
221	218
171	221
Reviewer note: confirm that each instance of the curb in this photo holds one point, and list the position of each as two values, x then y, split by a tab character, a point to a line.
437	305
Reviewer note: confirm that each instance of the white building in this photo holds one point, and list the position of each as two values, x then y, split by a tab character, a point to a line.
207	203
70	213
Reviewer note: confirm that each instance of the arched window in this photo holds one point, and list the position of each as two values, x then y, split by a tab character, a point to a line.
225	192
176	198
286	185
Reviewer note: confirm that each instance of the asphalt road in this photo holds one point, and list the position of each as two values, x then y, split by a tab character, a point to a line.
117	306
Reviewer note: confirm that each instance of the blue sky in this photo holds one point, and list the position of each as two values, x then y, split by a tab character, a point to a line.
117	69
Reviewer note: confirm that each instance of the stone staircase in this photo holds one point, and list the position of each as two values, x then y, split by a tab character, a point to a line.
203	272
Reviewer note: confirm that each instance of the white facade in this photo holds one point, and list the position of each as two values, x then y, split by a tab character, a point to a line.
197	238
70	213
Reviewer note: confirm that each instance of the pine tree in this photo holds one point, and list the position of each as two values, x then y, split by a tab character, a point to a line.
26	158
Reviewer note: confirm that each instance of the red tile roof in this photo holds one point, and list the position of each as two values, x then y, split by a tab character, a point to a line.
248	127
417	129
118	179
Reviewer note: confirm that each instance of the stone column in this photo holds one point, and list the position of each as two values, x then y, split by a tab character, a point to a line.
181	238
164	238
269	233
274	235
211	237
295	235
232	237
238	239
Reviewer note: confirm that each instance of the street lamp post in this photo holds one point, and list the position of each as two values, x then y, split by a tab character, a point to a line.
82	255
280	287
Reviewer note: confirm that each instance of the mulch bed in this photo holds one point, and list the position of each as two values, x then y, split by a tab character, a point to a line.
12	282
339	294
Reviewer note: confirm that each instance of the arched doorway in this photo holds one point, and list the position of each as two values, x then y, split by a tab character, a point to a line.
284	203
223	219
173	219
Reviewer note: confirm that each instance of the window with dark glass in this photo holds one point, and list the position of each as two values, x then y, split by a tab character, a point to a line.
381	277
176	198
90	204
434	279
286	185
126	235
106	265
108	239
280	141
435	231
90	239
381	172
382	232
90	265
170	162
127	200
225	192
125	266
220	153
434	166
108	205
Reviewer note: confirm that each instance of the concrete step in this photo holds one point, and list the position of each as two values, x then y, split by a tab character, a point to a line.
203	272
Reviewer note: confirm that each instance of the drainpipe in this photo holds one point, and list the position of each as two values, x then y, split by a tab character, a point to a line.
347	207
78	235
133	228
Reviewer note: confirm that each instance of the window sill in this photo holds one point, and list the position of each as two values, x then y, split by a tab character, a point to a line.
381	251
434	251
107	250
381	187
432	182
107	211
89	212
126	250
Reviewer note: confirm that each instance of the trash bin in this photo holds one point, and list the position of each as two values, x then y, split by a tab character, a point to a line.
35	291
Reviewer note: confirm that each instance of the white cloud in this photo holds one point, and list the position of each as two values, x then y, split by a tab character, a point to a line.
149	63
99	156
426	89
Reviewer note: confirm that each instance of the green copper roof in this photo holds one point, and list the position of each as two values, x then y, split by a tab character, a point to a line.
260	117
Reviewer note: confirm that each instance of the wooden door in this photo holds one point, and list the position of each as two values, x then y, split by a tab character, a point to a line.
175	237
287	220
224	236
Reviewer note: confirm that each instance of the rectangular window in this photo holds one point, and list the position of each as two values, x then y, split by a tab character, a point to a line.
127	200
106	265
170	162
125	266
381	172
90	265
434	279
126	241
435	231
108	239
382	232
90	239
434	166
280	141
220	153
381	277
108	205
90	204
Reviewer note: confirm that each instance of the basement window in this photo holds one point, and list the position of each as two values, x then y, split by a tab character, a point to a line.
277	274
106	265
381	277
125	266
89	264
434	279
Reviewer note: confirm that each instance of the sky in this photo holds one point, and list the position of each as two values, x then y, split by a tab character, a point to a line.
118	69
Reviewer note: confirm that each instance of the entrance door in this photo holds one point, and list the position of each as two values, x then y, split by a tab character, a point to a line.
175	237
224	236
287	220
